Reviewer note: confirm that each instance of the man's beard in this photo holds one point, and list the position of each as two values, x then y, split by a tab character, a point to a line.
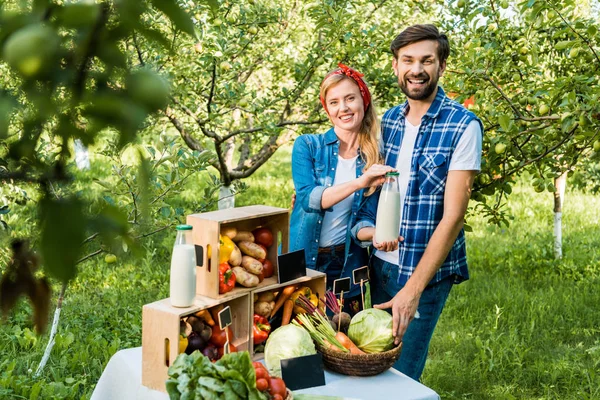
422	94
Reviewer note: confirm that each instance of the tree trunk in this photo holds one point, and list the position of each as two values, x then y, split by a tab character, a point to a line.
226	198
560	183
82	158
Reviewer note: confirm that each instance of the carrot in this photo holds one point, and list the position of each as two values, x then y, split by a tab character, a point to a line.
283	296
288	306
347	343
206	317
330	346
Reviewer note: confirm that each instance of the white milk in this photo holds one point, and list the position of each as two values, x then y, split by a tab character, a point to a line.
183	275
387	225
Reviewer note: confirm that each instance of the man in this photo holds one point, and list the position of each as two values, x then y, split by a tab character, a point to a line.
435	144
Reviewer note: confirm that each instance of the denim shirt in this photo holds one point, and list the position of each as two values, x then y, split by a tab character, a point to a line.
314	163
440	130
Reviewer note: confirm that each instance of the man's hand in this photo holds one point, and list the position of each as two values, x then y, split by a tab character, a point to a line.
404	307
293	200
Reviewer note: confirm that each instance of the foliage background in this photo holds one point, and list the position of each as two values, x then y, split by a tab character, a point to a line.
244	81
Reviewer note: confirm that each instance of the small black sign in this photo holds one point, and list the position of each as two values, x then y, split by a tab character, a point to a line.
291	266
199	255
225	317
341	285
359	274
303	372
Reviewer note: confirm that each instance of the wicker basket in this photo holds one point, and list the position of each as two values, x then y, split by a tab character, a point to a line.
359	364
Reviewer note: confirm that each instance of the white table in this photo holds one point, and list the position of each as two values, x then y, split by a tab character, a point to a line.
122	380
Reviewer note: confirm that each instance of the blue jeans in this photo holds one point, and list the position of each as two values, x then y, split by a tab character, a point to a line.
415	343
332	263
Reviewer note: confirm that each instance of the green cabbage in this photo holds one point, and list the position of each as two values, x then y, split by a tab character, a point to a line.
288	341
371	330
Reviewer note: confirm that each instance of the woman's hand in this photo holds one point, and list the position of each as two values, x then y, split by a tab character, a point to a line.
387	246
375	175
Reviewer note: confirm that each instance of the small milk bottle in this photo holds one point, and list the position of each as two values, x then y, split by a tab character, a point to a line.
182	288
387	225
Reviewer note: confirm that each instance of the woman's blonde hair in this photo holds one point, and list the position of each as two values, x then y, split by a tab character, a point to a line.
368	136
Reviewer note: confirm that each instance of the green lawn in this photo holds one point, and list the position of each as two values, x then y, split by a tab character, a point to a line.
524	327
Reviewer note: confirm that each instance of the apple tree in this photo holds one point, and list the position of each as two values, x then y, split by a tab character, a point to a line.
532	67
248	82
66	76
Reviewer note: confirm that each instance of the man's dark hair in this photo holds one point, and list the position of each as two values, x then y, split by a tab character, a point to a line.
418	33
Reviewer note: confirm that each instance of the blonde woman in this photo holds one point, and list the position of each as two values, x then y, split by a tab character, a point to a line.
333	173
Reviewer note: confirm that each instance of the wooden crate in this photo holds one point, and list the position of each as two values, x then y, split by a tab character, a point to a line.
207	228
160	333
315	280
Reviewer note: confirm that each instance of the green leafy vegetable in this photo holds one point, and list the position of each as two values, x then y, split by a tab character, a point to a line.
288	341
371	330
231	378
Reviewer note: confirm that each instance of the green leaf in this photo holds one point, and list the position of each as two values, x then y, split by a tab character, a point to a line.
504	121
592	30
563	44
179	17
63	230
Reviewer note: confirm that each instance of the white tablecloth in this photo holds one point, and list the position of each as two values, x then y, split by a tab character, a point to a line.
122	380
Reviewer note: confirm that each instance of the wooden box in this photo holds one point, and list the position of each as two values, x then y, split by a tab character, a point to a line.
315	280
160	333
207	228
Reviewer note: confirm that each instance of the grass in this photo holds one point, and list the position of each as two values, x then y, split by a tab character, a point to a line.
524	327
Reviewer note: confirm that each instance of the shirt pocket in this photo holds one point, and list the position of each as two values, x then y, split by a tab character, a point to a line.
433	170
320	175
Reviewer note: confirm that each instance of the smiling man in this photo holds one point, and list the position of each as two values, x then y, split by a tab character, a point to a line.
435	144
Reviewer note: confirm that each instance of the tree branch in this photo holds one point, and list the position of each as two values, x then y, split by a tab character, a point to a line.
587	42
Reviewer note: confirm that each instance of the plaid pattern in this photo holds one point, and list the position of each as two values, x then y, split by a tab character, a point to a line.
439	133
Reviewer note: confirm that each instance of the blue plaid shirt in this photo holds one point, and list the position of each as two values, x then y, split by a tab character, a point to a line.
440	130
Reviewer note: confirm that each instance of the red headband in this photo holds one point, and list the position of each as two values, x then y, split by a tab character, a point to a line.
357	77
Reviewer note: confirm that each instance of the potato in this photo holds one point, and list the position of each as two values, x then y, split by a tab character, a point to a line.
252	265
262	308
235	258
266	296
252	249
243	235
230	232
244	277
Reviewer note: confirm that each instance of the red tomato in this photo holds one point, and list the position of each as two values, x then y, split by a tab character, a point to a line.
277	397
277	387
262	384
219	337
268	269
261	373
257	364
263	236
221	350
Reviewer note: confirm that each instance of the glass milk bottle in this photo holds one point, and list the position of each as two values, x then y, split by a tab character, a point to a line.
182	289
387	224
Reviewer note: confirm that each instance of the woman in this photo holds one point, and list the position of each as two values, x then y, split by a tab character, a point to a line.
333	172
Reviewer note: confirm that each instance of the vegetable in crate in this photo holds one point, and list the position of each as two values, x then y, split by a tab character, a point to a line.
226	278
226	246
287	342
195	376
263	236
261	329
245	278
371	330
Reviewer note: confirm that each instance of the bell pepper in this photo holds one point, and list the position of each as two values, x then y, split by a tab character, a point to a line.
226	246
306	292
226	278
261	329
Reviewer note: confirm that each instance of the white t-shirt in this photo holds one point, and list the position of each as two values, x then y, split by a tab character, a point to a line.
335	222
466	157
